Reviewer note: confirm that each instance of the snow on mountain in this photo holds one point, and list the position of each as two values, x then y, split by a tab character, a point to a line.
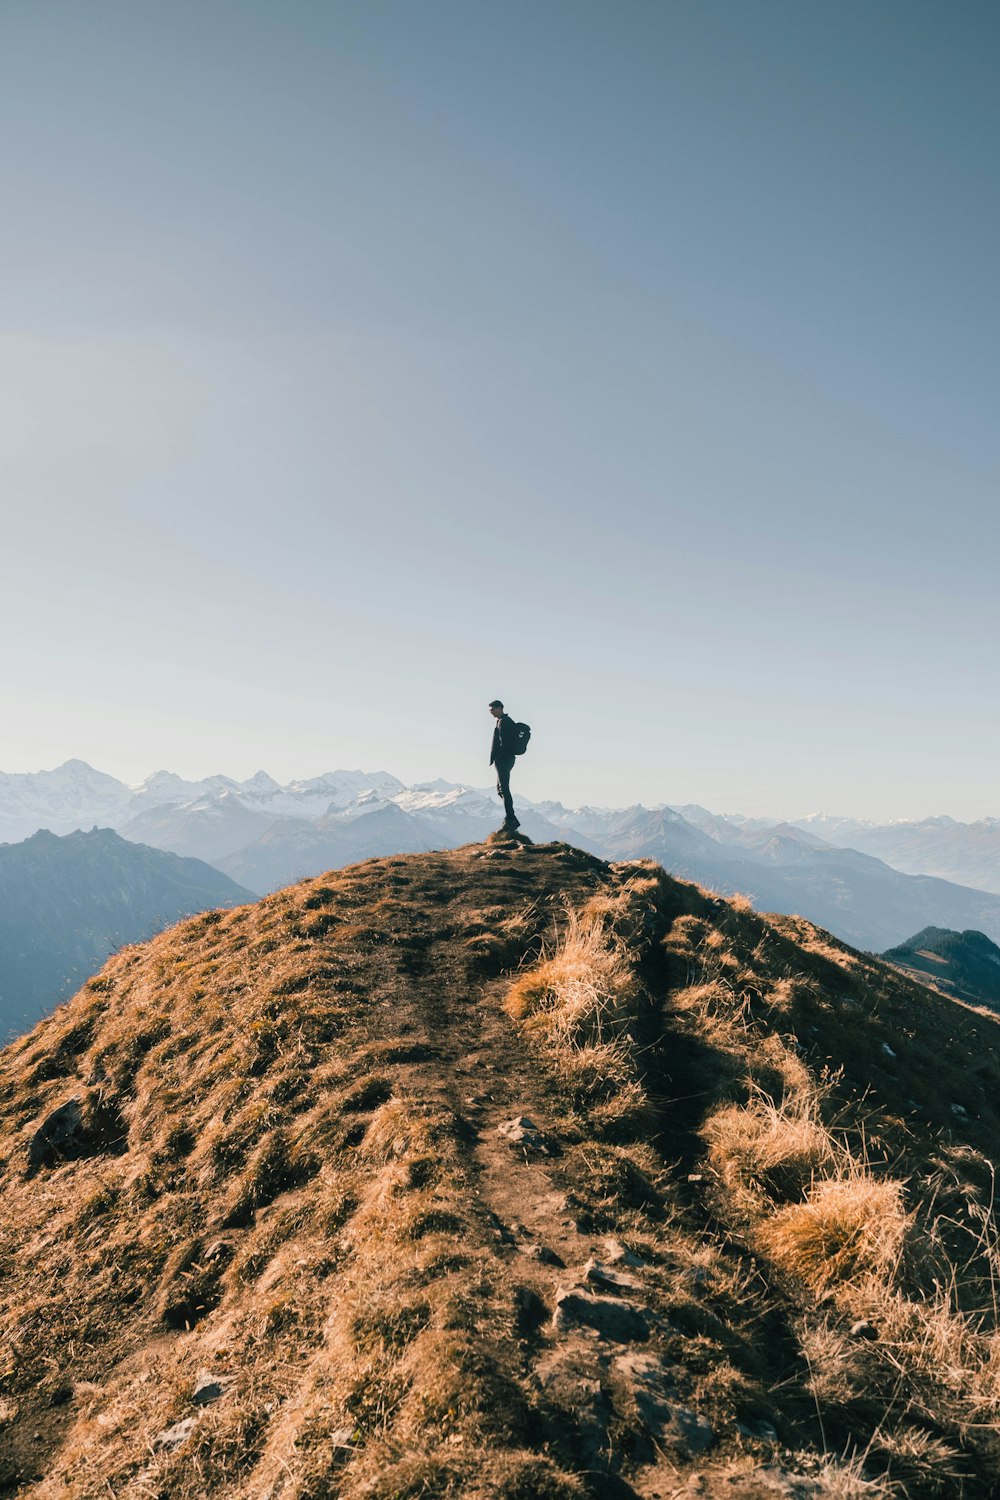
217	816
342	787
206	828
164	789
450	799
71	796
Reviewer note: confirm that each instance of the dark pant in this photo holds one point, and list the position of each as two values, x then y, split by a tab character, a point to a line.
503	770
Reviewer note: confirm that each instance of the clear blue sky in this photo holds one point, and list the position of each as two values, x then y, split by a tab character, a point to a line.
634	362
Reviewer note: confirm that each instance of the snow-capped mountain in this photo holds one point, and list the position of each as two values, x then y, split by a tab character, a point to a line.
72	796
867	882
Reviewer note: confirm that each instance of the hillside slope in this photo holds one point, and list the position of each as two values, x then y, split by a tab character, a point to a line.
501	1172
965	964
66	903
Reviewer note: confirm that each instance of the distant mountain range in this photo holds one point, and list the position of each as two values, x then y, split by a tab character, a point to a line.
965	964
860	899
67	903
264	835
966	852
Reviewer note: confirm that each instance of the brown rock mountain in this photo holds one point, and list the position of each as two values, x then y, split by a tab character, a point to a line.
501	1172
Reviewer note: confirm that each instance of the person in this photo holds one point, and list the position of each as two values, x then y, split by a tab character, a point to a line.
502	756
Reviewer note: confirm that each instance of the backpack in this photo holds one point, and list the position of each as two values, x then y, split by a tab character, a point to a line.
522	734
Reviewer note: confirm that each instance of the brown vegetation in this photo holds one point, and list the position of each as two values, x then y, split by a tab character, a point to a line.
262	1153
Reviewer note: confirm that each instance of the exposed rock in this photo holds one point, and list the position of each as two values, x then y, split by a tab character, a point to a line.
176	1436
608	1280
83	1125
665	1422
672	1426
543	1253
525	1133
209	1387
636	1366
219	1252
56	1135
763	1432
500	1229
616	1254
615	1319
571	1385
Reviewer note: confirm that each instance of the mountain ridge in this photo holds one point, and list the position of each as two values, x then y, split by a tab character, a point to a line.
68	901
964	964
501	1173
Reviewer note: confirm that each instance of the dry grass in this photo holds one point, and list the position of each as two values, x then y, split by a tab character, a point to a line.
287	1209
586	991
767	1151
295	1206
848	1228
846	1479
583	1000
851	1205
868	1207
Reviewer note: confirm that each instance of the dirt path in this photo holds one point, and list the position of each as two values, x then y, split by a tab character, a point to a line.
488	1076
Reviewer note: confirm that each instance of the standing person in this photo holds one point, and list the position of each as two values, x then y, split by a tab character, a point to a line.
502	756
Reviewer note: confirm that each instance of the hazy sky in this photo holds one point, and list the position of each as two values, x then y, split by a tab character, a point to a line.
635	362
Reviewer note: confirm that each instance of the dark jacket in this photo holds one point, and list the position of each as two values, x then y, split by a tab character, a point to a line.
504	736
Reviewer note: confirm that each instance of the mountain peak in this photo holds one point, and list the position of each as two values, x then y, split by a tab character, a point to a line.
965	964
261	782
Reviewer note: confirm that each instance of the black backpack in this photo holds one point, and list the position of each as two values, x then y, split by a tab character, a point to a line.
522	734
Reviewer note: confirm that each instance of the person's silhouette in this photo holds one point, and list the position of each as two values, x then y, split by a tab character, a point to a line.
502	757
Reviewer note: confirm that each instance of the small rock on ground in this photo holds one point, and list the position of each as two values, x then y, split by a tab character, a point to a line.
762	1432
209	1388
608	1280
616	1319
616	1254
524	1132
173	1437
543	1253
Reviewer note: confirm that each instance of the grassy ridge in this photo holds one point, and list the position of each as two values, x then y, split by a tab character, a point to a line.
286	1175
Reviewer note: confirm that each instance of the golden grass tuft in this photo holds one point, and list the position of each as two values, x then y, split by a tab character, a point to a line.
847	1228
583	1001
587	988
846	1479
767	1150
